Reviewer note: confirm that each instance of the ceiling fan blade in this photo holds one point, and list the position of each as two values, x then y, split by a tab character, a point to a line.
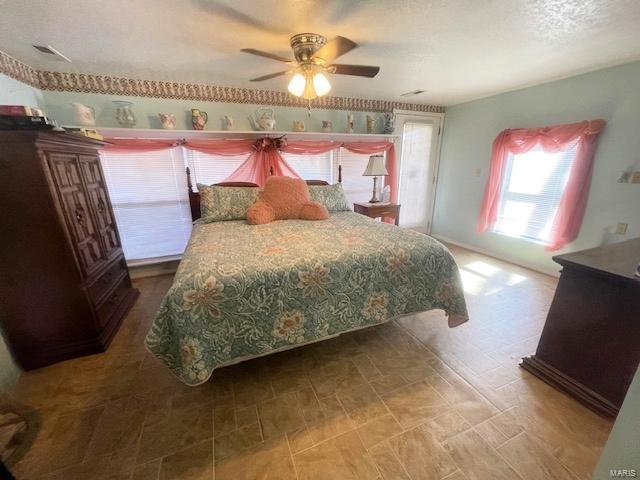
267	77
260	53
357	70
334	48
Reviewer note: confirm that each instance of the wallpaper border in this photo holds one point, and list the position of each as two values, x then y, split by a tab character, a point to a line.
108	85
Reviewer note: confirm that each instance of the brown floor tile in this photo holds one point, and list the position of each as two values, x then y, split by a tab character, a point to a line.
415	404
177	431
378	430
476	459
270	460
246	416
388	383
237	441
224	418
531	461
490	433
447	425
116	466
61	442
147	471
344	457
422	456
193	463
387	463
287	381
362	404
338	375
281	415
119	426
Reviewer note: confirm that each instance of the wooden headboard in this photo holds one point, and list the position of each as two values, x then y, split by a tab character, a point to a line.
194	197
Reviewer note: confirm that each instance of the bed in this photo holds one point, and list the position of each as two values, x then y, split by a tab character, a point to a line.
243	291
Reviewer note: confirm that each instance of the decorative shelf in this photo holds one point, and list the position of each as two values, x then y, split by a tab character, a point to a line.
156	133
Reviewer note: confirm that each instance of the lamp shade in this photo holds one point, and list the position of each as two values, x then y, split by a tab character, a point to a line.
375	167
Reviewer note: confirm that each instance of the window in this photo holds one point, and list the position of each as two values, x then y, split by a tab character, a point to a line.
148	192
532	186
313	167
207	169
357	188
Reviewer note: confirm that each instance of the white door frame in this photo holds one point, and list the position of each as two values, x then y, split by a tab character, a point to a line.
438	124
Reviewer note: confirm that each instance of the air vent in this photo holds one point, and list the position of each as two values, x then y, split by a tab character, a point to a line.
49	50
412	93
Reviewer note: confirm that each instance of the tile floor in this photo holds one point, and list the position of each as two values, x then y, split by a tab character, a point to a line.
411	399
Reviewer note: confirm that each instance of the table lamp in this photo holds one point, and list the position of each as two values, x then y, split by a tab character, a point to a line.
375	168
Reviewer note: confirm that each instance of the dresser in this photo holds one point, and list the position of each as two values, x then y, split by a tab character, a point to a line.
590	344
65	287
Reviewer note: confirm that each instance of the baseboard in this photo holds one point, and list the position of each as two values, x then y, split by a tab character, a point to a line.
515	261
153	270
557	379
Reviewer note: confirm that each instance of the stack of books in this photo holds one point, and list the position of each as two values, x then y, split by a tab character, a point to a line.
86	132
20	117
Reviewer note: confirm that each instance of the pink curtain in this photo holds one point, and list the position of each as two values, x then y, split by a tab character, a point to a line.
128	145
264	155
221	147
264	158
568	220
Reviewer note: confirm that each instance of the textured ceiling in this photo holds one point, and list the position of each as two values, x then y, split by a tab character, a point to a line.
456	50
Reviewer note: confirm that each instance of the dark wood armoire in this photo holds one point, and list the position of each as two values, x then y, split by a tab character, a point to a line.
64	283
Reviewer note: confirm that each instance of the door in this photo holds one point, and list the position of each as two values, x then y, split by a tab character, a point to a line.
76	210
417	151
99	198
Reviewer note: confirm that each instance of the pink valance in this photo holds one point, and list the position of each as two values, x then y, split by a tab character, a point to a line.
264	154
221	147
130	145
568	219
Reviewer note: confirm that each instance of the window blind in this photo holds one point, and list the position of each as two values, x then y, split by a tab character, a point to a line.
208	169
532	187
313	167
148	192
357	188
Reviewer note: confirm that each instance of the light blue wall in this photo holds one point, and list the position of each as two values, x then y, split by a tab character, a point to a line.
58	106
622	450
470	128
13	92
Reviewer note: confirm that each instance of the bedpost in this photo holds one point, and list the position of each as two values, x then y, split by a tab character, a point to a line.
339	173
194	197
188	172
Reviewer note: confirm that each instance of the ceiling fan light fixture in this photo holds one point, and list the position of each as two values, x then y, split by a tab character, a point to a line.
321	84
297	85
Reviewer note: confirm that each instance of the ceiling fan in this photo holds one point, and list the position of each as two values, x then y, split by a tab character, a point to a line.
314	57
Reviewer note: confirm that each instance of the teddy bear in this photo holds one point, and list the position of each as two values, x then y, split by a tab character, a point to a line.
285	198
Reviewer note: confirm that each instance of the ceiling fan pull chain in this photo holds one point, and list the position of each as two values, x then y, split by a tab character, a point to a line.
309	108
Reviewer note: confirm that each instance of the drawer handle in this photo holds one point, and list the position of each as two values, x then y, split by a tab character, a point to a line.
101	206
106	278
113	298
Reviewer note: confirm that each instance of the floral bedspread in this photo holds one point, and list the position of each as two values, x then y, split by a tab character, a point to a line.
243	290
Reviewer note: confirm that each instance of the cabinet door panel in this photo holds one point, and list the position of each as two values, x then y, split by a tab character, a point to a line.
99	198
76	210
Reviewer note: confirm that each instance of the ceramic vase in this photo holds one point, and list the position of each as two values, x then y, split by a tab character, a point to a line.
198	119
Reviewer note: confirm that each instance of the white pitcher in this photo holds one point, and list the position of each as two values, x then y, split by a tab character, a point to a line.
83	115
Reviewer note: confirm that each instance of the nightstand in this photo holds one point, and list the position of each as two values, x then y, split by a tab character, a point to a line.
376	210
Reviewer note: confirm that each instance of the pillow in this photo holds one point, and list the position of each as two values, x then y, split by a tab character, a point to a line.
285	198
331	196
225	203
